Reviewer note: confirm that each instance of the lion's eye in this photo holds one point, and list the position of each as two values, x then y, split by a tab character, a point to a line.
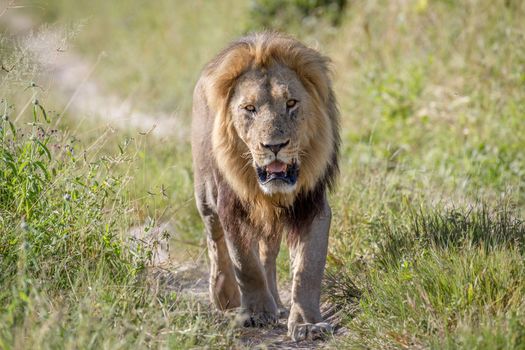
291	103
250	108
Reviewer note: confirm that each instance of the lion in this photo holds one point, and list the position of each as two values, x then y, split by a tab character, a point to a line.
265	143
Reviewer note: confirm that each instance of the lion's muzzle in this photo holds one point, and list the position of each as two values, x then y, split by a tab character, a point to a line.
278	171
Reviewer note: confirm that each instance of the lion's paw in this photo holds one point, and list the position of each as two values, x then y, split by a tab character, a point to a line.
259	319
310	331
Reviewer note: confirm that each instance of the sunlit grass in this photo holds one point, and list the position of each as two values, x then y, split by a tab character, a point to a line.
433	107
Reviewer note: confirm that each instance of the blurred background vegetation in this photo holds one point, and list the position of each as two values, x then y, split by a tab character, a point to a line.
427	217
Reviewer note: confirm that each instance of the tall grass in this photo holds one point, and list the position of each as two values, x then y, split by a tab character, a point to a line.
438	279
432	102
71	276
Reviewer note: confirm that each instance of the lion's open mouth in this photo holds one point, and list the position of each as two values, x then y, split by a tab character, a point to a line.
278	171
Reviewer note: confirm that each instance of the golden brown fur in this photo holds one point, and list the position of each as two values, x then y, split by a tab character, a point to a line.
319	159
244	209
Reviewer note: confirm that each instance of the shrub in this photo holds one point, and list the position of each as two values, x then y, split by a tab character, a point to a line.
282	14
60	210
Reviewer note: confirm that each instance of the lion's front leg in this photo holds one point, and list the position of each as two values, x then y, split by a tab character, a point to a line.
308	260
268	251
258	307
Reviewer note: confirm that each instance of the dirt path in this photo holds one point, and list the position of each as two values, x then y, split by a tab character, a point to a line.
72	77
191	276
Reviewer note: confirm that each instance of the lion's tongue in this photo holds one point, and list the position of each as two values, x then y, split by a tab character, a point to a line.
276	167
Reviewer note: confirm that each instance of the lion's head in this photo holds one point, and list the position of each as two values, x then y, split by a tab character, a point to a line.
276	132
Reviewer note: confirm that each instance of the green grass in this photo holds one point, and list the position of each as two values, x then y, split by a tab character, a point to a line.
70	275
154	53
427	240
438	278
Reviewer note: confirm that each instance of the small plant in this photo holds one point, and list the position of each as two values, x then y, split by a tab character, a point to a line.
58	212
340	289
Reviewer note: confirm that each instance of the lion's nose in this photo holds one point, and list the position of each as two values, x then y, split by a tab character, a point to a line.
275	148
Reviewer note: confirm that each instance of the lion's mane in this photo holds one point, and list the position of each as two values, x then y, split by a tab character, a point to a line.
319	159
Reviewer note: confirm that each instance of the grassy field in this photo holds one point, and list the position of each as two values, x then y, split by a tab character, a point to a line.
427	240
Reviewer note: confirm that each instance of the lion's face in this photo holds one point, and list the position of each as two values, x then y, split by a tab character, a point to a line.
275	129
269	108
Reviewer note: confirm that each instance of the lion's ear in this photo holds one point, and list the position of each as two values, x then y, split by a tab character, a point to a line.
223	72
311	67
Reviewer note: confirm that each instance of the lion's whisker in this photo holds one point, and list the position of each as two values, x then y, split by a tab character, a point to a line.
246	165
246	155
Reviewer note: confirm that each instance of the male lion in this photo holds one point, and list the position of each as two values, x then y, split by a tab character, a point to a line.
265	139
